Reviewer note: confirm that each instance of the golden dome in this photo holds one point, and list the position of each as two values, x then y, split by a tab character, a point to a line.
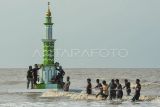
48	13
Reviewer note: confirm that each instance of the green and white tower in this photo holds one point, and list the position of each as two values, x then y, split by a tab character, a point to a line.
48	43
48	70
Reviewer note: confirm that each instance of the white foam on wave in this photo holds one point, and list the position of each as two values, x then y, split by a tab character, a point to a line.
72	95
157	100
83	96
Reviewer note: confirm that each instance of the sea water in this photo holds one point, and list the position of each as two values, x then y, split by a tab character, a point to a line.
15	79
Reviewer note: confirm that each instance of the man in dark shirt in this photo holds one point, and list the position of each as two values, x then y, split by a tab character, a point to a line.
112	91
99	85
89	86
137	91
119	92
127	86
61	73
30	77
35	73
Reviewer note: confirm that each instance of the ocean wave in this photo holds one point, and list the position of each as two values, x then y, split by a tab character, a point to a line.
157	100
151	83
12	82
23	104
83	96
148	84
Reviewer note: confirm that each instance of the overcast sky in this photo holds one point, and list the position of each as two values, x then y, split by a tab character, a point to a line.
87	33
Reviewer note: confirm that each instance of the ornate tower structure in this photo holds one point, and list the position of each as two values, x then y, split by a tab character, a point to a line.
48	71
48	43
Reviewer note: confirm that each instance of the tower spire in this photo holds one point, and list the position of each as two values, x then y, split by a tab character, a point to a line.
49	11
48	5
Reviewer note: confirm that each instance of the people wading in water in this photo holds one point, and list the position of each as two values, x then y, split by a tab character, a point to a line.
112	90
137	91
89	87
30	77
35	73
127	86
119	92
104	90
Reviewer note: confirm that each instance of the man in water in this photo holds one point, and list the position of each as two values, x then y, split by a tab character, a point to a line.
61	73
35	73
67	84
112	86
137	91
99	85
30	77
127	86
119	92
89	86
104	90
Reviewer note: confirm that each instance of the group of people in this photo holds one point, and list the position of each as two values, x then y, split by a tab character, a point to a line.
32	75
114	89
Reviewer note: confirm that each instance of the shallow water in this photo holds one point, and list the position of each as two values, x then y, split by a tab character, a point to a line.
16	79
